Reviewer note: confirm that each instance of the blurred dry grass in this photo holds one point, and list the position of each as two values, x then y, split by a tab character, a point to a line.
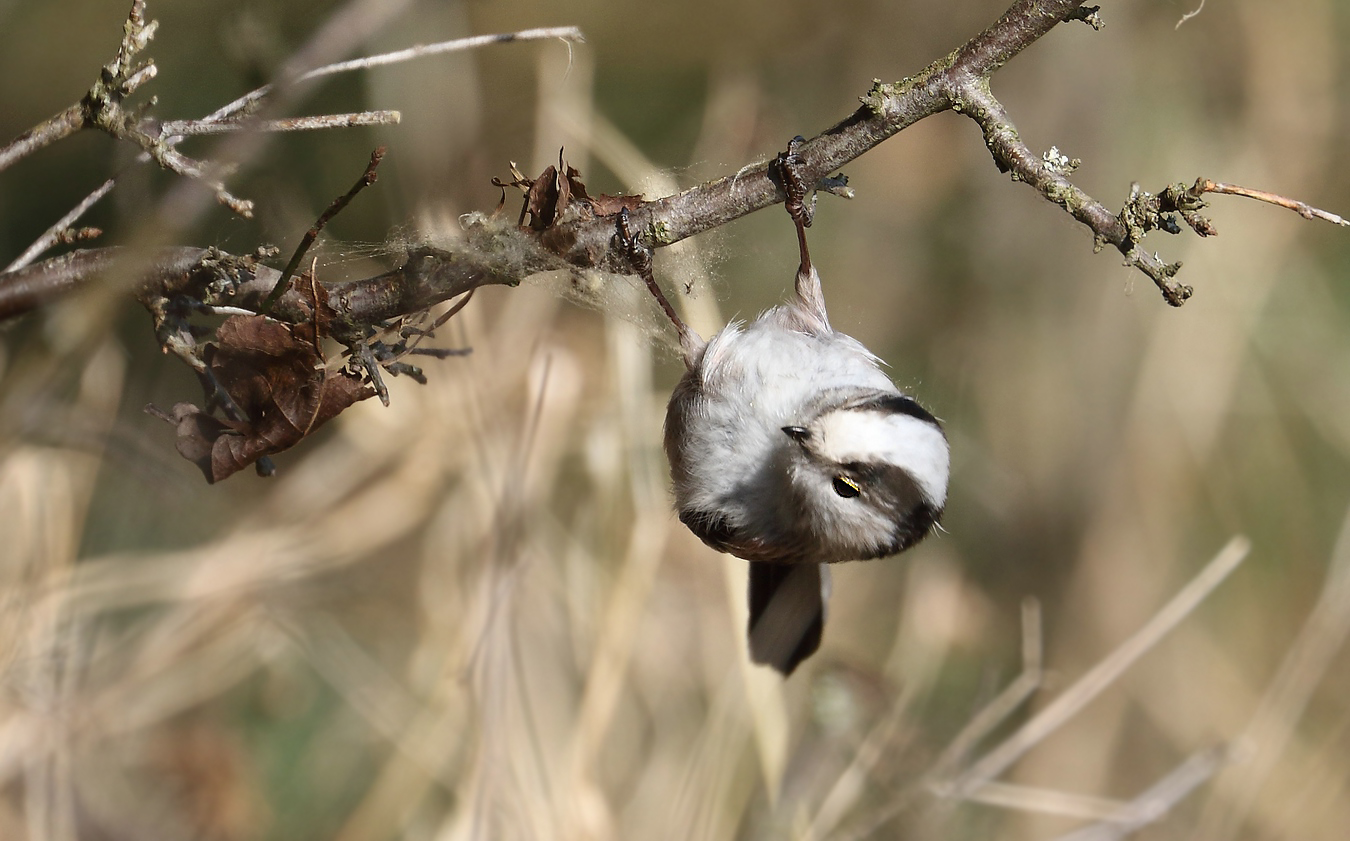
472	614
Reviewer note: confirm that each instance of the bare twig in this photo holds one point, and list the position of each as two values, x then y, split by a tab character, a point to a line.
570	34
428	277
1204	185
250	101
1190	14
1012	155
189	128
174	161
103	101
367	178
960	82
53	235
101	108
43	134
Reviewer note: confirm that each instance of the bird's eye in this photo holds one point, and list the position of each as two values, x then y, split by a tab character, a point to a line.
846	487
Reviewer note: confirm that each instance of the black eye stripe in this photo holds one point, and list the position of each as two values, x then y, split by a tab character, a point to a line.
863	473
899	404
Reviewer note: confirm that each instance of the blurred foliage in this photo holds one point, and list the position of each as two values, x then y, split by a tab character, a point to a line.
473	615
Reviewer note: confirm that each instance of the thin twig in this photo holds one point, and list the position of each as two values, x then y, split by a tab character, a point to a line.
367	178
52	236
118	80
45	133
1190	15
1090	685
138	34
174	161
249	101
190	128
1012	155
564	33
1204	185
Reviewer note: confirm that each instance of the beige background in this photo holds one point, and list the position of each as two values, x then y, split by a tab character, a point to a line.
473	615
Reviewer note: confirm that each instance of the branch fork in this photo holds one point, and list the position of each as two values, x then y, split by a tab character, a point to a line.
957	82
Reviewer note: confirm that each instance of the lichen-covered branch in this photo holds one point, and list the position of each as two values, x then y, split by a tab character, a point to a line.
45	133
1012	155
102	108
960	82
427	277
886	110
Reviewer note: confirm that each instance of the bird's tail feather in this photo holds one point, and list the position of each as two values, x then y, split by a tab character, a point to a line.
787	613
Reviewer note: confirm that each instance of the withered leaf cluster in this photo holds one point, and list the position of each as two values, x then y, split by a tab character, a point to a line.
556	189
281	392
266	382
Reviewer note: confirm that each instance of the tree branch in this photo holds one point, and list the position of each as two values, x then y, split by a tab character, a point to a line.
585	239
102	108
45	133
1012	155
61	231
427	277
886	110
959	81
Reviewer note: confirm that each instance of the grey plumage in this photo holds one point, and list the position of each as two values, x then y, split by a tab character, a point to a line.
791	448
748	486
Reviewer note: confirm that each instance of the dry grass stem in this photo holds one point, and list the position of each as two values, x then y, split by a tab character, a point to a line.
1101	676
1305	665
473	614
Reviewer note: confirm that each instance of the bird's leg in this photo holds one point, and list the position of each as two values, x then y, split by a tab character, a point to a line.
787	166
640	258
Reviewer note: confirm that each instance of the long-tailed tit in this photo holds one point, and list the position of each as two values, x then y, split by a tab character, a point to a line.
791	448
